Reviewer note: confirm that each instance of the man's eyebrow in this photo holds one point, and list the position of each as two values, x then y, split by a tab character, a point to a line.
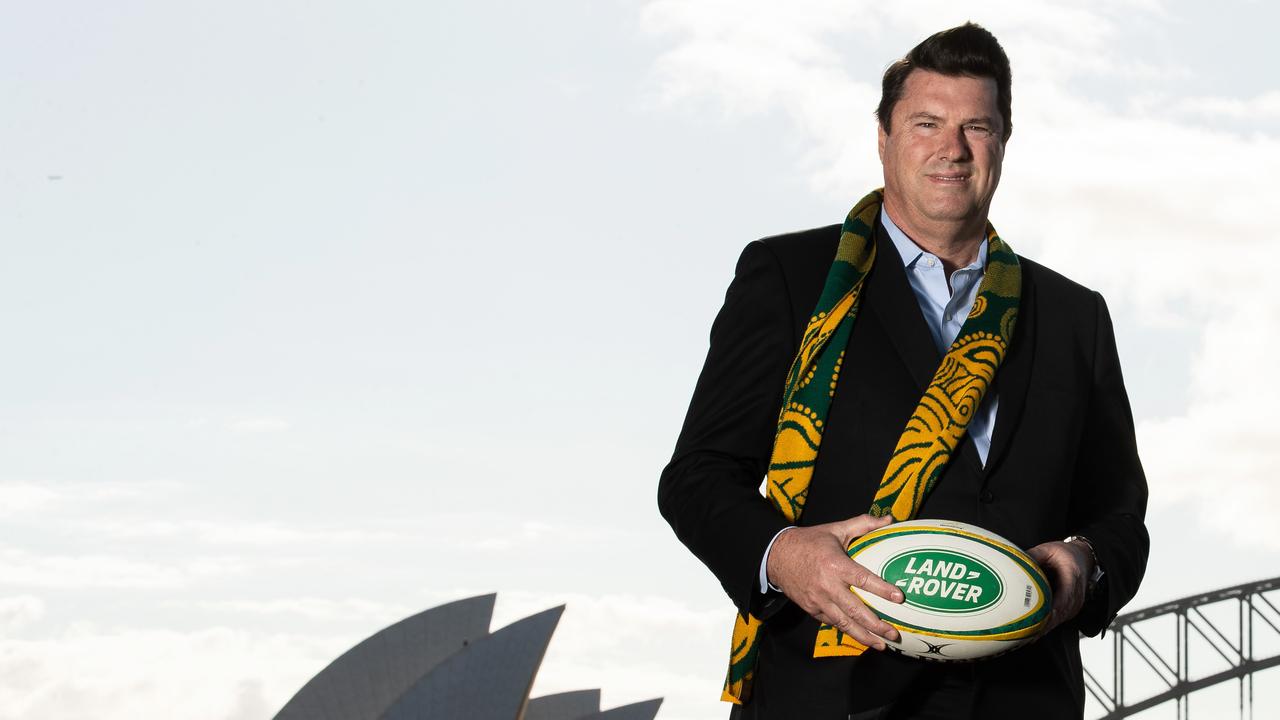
978	120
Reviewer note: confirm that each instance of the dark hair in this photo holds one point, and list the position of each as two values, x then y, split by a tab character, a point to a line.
965	50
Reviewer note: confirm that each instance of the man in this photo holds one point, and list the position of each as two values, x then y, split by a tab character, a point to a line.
938	346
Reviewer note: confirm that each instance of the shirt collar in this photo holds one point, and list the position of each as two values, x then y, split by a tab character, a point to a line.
911	252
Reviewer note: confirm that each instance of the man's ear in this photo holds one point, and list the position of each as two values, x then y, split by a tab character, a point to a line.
883	136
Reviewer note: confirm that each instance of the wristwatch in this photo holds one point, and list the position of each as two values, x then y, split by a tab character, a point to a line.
1091	585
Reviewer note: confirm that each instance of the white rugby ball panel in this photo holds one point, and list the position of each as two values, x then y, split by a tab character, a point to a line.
969	593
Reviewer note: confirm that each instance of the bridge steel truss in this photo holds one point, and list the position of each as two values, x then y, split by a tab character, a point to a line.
1256	607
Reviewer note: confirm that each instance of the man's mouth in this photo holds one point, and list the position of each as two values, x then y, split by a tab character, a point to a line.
949	178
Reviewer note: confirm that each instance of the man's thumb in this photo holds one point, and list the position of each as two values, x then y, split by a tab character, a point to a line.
856	527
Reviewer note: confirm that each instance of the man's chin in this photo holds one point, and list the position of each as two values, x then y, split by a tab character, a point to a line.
953	213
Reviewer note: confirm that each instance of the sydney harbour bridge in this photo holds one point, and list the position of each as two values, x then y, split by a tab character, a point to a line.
1203	652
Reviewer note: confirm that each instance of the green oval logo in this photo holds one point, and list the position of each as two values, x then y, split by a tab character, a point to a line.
946	581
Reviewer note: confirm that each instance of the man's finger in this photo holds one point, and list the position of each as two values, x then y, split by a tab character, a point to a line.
836	617
868	618
863	579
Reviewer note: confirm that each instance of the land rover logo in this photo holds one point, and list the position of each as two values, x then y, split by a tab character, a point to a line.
944	580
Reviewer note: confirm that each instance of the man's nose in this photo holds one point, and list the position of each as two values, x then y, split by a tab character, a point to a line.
955	146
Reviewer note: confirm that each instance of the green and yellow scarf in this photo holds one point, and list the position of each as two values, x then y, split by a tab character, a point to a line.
933	433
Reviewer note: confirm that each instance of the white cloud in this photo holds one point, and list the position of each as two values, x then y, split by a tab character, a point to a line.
20	568
129	673
20	611
763	57
746	54
20	499
236	533
314	608
1221	455
526	532
1261	107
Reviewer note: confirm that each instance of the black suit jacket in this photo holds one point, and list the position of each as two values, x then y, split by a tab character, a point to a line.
1062	461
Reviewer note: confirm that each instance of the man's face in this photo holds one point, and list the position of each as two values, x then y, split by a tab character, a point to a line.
942	158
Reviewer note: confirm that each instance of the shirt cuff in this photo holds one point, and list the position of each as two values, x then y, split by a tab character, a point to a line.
765	585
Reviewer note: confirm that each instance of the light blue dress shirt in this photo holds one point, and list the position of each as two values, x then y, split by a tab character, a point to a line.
945	306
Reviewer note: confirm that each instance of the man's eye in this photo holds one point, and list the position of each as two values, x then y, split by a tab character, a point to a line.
926	124
980	129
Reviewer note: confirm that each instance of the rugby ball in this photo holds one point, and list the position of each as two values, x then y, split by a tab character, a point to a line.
969	593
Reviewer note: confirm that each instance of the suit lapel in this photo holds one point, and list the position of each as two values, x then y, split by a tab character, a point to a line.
1014	374
898	311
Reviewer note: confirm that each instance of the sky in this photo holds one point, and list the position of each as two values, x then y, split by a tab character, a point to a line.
320	314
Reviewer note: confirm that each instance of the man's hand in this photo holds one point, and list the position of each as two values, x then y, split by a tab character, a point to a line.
1068	566
812	567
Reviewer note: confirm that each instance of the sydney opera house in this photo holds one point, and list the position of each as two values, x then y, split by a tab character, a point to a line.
444	663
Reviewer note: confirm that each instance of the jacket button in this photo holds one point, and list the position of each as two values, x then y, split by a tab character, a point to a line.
987	496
